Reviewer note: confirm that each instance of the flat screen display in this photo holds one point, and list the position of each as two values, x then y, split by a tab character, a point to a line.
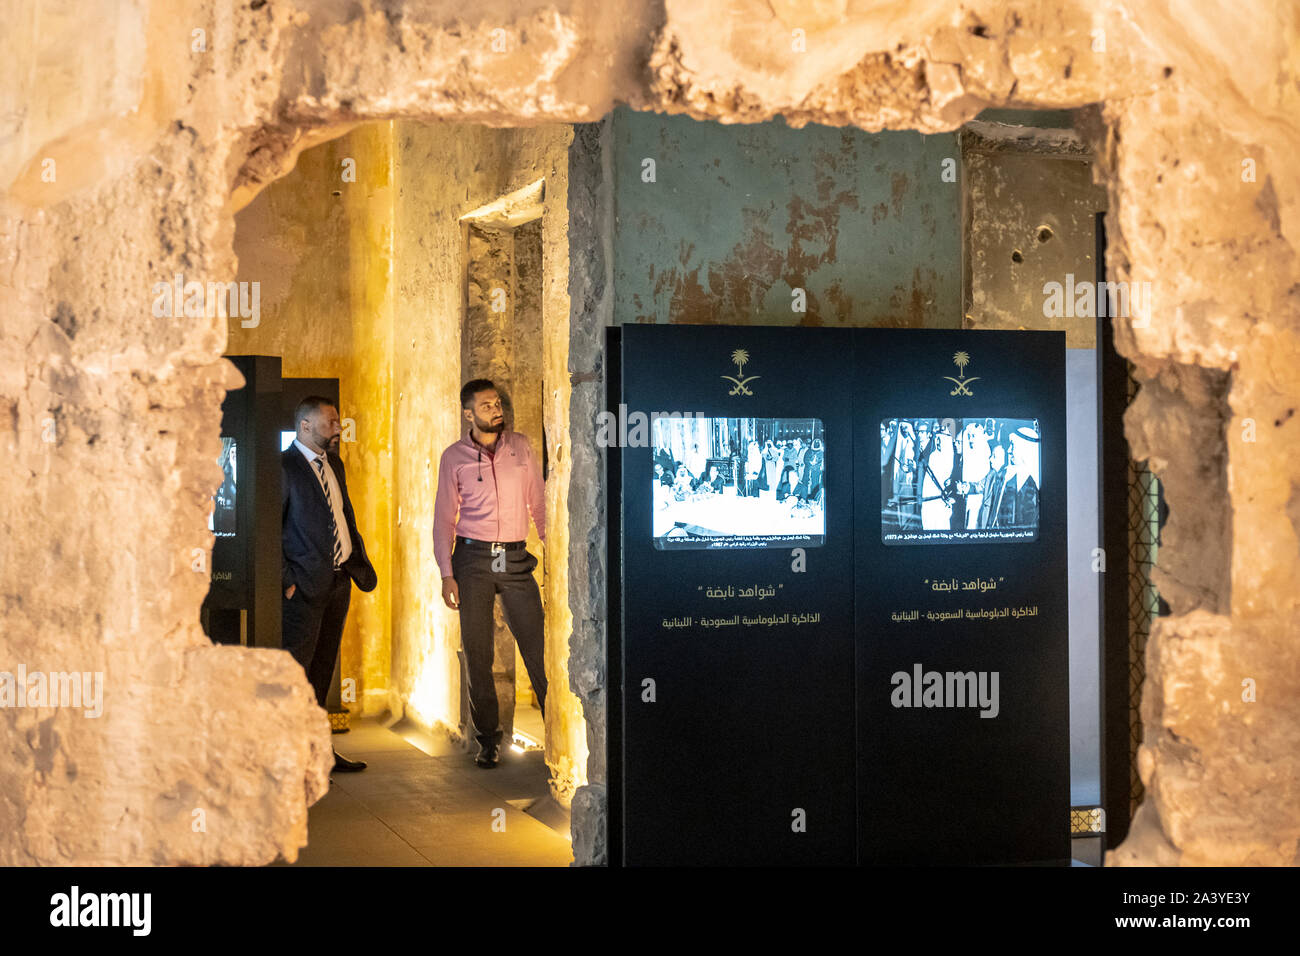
738	482
945	480
222	520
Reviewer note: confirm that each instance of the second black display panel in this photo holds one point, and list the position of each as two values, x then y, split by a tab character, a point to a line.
961	598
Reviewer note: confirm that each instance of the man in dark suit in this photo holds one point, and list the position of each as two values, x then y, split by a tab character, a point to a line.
323	551
990	487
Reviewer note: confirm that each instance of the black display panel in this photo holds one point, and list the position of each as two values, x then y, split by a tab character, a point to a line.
737	631
893	688
963	673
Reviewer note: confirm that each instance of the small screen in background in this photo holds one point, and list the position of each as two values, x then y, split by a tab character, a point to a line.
222	520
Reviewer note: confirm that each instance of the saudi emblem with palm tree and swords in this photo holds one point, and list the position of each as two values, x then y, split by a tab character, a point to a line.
961	360
740	357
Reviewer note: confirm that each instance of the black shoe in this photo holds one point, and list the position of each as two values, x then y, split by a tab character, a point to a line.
488	756
346	765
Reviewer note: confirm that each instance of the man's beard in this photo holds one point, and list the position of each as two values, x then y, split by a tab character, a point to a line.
328	444
488	428
323	443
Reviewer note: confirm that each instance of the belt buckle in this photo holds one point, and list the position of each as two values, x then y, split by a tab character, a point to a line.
497	547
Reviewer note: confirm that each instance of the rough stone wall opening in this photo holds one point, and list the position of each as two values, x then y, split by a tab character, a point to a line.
121	174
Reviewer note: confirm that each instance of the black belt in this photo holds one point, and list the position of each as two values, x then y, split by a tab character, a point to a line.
494	545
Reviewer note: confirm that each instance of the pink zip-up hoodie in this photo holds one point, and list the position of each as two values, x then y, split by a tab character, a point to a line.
494	509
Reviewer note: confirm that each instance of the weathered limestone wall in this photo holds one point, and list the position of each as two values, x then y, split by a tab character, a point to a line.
591	290
150	139
111	428
320	244
1221	703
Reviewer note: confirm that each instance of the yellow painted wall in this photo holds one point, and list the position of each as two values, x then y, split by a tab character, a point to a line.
322	248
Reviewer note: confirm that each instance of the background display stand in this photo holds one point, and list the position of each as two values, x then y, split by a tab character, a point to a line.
243	602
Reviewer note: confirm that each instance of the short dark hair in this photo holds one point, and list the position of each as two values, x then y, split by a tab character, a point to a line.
472	388
310	404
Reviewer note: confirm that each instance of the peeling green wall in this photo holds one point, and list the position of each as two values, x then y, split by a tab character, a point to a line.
740	215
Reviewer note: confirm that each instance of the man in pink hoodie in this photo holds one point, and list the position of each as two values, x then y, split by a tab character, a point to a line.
489	483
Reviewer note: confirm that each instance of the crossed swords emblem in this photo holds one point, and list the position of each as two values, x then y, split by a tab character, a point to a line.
741	385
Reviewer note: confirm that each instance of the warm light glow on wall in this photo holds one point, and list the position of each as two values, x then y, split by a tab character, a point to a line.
434	699
428	702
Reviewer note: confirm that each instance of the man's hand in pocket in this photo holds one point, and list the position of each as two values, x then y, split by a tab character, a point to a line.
292	588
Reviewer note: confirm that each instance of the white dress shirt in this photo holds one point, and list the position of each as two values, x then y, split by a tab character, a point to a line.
336	497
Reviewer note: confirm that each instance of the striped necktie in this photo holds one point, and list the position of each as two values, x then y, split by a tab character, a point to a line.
329	501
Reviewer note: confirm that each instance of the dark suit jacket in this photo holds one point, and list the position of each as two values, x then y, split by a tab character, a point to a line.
308	545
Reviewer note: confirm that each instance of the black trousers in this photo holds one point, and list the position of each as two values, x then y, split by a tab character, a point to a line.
480	577
312	630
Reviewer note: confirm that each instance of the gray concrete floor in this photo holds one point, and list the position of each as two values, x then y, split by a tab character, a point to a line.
422	802
433	807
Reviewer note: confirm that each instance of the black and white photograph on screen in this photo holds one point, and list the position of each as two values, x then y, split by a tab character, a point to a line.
738	482
945	480
222	520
